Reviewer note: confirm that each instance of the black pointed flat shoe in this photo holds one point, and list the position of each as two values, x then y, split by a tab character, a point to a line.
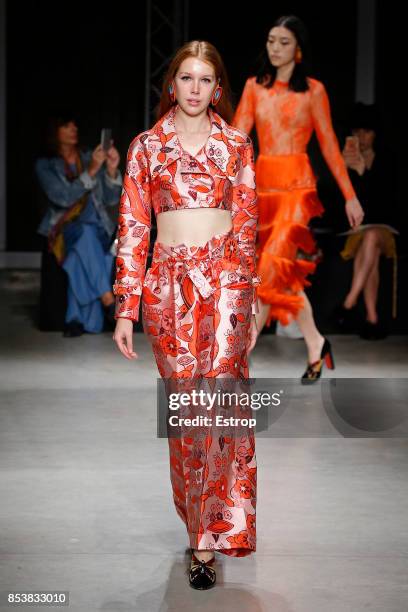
202	574
314	370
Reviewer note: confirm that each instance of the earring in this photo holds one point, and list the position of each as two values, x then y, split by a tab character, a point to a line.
172	92
216	97
298	55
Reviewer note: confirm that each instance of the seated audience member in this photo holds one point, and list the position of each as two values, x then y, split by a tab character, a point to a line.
78	231
372	171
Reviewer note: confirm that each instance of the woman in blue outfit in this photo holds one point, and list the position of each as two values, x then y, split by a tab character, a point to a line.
77	229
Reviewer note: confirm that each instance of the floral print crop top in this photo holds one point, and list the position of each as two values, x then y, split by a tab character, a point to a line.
161	176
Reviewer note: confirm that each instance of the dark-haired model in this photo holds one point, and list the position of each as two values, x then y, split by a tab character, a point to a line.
287	106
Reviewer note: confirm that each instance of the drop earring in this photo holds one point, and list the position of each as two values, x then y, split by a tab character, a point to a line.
216	97
172	92
298	55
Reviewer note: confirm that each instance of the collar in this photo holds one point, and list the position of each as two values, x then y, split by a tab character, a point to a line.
217	148
58	161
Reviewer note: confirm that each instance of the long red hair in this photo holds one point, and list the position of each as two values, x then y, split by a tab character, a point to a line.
206	52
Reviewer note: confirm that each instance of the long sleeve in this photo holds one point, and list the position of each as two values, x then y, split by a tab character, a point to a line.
133	233
244	117
327	138
376	186
244	211
58	189
111	188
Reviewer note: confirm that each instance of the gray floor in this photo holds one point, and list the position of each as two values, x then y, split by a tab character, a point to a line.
86	500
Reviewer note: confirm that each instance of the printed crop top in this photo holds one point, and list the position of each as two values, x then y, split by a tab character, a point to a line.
285	121
161	175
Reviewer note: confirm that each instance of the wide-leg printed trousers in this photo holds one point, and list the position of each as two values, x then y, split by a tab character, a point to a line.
196	306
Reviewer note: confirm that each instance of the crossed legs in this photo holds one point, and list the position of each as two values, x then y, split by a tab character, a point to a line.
366	273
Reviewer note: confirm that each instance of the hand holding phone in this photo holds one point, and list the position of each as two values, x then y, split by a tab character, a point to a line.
352	154
352	145
106	138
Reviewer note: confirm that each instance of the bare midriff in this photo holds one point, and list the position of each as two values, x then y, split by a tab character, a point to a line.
192	226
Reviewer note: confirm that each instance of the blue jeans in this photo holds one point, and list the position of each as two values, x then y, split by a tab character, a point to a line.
88	264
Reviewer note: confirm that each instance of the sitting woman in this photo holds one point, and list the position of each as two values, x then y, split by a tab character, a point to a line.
371	171
79	185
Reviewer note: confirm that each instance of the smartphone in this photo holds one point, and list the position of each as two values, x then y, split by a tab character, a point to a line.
352	144
106	137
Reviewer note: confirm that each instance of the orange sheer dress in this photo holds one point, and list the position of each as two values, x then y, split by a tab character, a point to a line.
286	185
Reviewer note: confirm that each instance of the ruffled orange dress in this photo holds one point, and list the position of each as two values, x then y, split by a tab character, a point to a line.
286	184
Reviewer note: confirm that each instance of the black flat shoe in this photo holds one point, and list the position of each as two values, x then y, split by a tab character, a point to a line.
202	575
314	370
373	331
73	329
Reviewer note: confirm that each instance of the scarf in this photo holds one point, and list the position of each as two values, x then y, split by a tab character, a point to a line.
56	242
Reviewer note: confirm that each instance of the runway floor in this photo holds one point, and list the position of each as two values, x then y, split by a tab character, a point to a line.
86	499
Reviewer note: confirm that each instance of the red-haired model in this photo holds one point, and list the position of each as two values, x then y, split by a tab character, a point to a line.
286	106
198	297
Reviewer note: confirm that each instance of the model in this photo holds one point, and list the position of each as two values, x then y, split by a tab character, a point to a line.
199	296
286	107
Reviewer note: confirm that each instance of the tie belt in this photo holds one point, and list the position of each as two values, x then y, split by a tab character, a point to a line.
192	268
195	261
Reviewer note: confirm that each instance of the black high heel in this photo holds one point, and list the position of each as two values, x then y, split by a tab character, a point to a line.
314	370
202	575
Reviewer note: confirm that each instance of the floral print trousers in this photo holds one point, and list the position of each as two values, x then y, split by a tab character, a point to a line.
196	306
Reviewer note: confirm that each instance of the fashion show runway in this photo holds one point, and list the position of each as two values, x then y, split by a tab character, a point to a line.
86	498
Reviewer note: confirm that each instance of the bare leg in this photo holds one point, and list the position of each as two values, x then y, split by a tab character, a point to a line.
350	299
364	261
371	292
260	318
262	315
313	338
